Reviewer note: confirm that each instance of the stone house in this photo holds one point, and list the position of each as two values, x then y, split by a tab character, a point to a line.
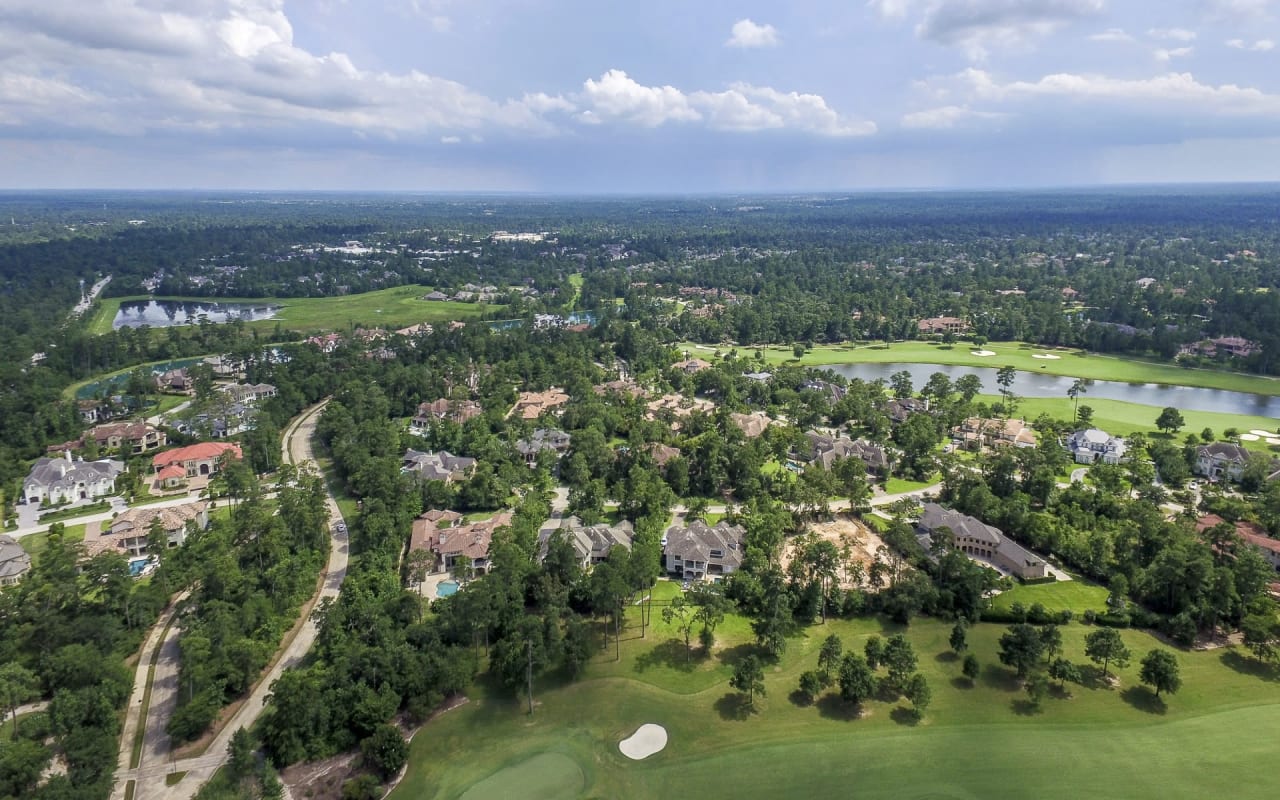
437	466
699	550
130	529
1221	460
977	539
70	478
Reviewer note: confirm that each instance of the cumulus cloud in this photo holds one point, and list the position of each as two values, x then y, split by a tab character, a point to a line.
947	117
1239	10
978	25
1172	34
747	34
1259	46
618	97
1111	35
1168	54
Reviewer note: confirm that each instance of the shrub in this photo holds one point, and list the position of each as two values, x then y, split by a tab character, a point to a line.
1090	616
1113	620
365	787
385	751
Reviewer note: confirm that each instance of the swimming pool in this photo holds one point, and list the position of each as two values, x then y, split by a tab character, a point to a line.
137	565
447	588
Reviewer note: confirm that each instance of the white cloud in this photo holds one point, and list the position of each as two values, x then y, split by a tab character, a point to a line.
1239	10
947	117
1111	35
450	139
747	33
1163	54
892	9
1172	34
1260	46
976	26
617	97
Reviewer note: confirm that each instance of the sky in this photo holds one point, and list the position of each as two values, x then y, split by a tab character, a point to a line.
616	96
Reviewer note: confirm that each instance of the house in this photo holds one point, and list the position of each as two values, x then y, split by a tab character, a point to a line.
454	543
436	296
458	411
67	479
591	543
248	392
14	561
225	366
543	439
758	377
531	405
833	391
327	343
1221	460
977	432
175	380
229	420
678	406
620	387
1251	533
421	329
691	365
660	453
827	450
1070	294
698	550
437	466
1092	445
934	325
899	409
752	425
197	459
136	437
981	541
130	529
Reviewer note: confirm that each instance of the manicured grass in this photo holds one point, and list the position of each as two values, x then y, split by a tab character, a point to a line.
71	513
36	543
1121	419
900	485
397	307
1076	596
174	778
979	740
546	776
1019	355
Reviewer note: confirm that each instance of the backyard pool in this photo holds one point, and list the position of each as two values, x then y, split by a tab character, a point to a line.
447	588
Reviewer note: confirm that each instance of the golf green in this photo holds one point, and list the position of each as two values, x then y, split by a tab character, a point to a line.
547	776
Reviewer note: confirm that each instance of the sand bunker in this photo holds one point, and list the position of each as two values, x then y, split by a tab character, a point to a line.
1272	440
646	741
1263	434
1049	356
1249	437
981	353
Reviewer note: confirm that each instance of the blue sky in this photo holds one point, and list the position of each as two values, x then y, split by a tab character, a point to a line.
654	96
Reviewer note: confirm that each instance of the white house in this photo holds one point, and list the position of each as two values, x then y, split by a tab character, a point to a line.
1221	460
67	479
1093	445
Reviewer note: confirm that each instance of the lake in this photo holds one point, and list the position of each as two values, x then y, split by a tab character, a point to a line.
171	313
1033	384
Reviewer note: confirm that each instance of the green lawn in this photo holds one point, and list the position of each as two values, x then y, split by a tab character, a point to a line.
36	543
393	308
900	485
1019	355
1077	596
975	741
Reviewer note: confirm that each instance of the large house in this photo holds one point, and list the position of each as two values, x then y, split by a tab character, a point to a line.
752	425
1234	346
1221	460
691	365
827	450
901	408
531	405
975	538
14	561
437	466
976	432
700	550
130	529
934	325
197	459
591	543
248	392
455	543
67	479
136	437
175	380
556	441
1093	445
1251	533
458	411
677	405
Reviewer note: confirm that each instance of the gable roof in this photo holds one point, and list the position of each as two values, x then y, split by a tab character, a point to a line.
195	452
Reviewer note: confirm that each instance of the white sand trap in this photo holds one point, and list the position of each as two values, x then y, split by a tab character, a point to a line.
646	741
981	353
1272	440
1249	437
1047	356
1263	434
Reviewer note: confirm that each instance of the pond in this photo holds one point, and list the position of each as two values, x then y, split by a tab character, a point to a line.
172	313
1033	384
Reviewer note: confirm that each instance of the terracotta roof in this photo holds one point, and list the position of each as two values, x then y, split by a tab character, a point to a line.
171	471
195	452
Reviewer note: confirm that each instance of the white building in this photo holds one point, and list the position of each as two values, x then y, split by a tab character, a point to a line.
67	479
1093	445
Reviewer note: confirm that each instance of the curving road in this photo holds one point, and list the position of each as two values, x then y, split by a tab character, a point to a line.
155	764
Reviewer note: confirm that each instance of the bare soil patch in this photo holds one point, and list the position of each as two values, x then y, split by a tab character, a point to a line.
848	535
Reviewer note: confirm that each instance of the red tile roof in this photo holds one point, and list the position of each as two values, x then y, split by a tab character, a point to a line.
195	452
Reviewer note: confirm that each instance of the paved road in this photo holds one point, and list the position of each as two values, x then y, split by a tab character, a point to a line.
150	775
103	516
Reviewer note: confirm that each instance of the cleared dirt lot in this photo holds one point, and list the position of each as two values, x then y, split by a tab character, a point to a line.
847	534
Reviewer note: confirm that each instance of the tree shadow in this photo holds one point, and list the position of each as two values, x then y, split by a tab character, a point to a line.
1060	692
1143	699
730	656
905	716
799	698
671	653
832	706
1234	660
885	692
1025	708
1091	677
994	677
733	707
961	682
946	657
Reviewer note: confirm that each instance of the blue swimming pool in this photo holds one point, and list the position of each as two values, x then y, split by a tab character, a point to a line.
447	588
136	565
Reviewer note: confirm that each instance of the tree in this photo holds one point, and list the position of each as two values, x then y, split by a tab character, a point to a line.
918	693
1051	638
857	680
748	677
1261	631
1063	670
1085	415
680	615
1037	687
240	755
1078	388
959	637
385	750
17	685
874	650
899	659
811	684
971	668
710	606
1005	376
1021	648
1170	420
1104	646
829	655
1160	672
